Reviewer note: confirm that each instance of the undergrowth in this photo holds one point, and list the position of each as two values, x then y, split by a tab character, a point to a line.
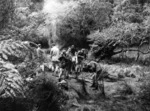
41	95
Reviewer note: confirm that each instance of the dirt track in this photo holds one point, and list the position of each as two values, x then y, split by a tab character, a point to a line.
78	99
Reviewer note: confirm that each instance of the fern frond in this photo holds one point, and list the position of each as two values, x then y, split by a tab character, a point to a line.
11	80
15	50
4	56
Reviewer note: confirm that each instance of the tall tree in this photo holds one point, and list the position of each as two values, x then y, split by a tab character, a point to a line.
86	17
6	12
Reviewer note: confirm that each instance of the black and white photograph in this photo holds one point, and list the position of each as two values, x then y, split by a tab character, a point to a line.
74	55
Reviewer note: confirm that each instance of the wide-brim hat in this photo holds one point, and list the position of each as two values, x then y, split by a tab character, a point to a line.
39	44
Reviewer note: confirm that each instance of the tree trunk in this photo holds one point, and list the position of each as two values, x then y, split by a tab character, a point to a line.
103	88
138	55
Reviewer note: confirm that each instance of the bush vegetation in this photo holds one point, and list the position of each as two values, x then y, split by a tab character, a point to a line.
112	26
41	95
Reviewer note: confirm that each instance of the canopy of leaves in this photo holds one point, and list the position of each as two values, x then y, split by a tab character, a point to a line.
129	27
81	20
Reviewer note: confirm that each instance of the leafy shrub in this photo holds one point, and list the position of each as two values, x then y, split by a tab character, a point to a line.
127	89
16	104
144	94
46	95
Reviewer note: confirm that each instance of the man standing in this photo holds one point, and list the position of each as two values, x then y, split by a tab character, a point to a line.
71	53
55	52
38	50
71	50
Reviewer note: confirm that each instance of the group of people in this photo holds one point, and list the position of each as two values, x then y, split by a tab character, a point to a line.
67	62
71	62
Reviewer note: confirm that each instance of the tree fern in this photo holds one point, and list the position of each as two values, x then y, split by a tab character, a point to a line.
15	50
11	82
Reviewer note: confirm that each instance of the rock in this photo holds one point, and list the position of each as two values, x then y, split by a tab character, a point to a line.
121	74
78	109
63	84
133	76
91	101
86	109
73	102
127	72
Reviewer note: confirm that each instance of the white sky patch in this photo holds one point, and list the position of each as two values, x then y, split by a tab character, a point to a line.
54	8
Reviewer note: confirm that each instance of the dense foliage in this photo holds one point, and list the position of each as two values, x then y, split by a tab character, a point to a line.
86	17
128	28
6	12
46	95
11	82
106	27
